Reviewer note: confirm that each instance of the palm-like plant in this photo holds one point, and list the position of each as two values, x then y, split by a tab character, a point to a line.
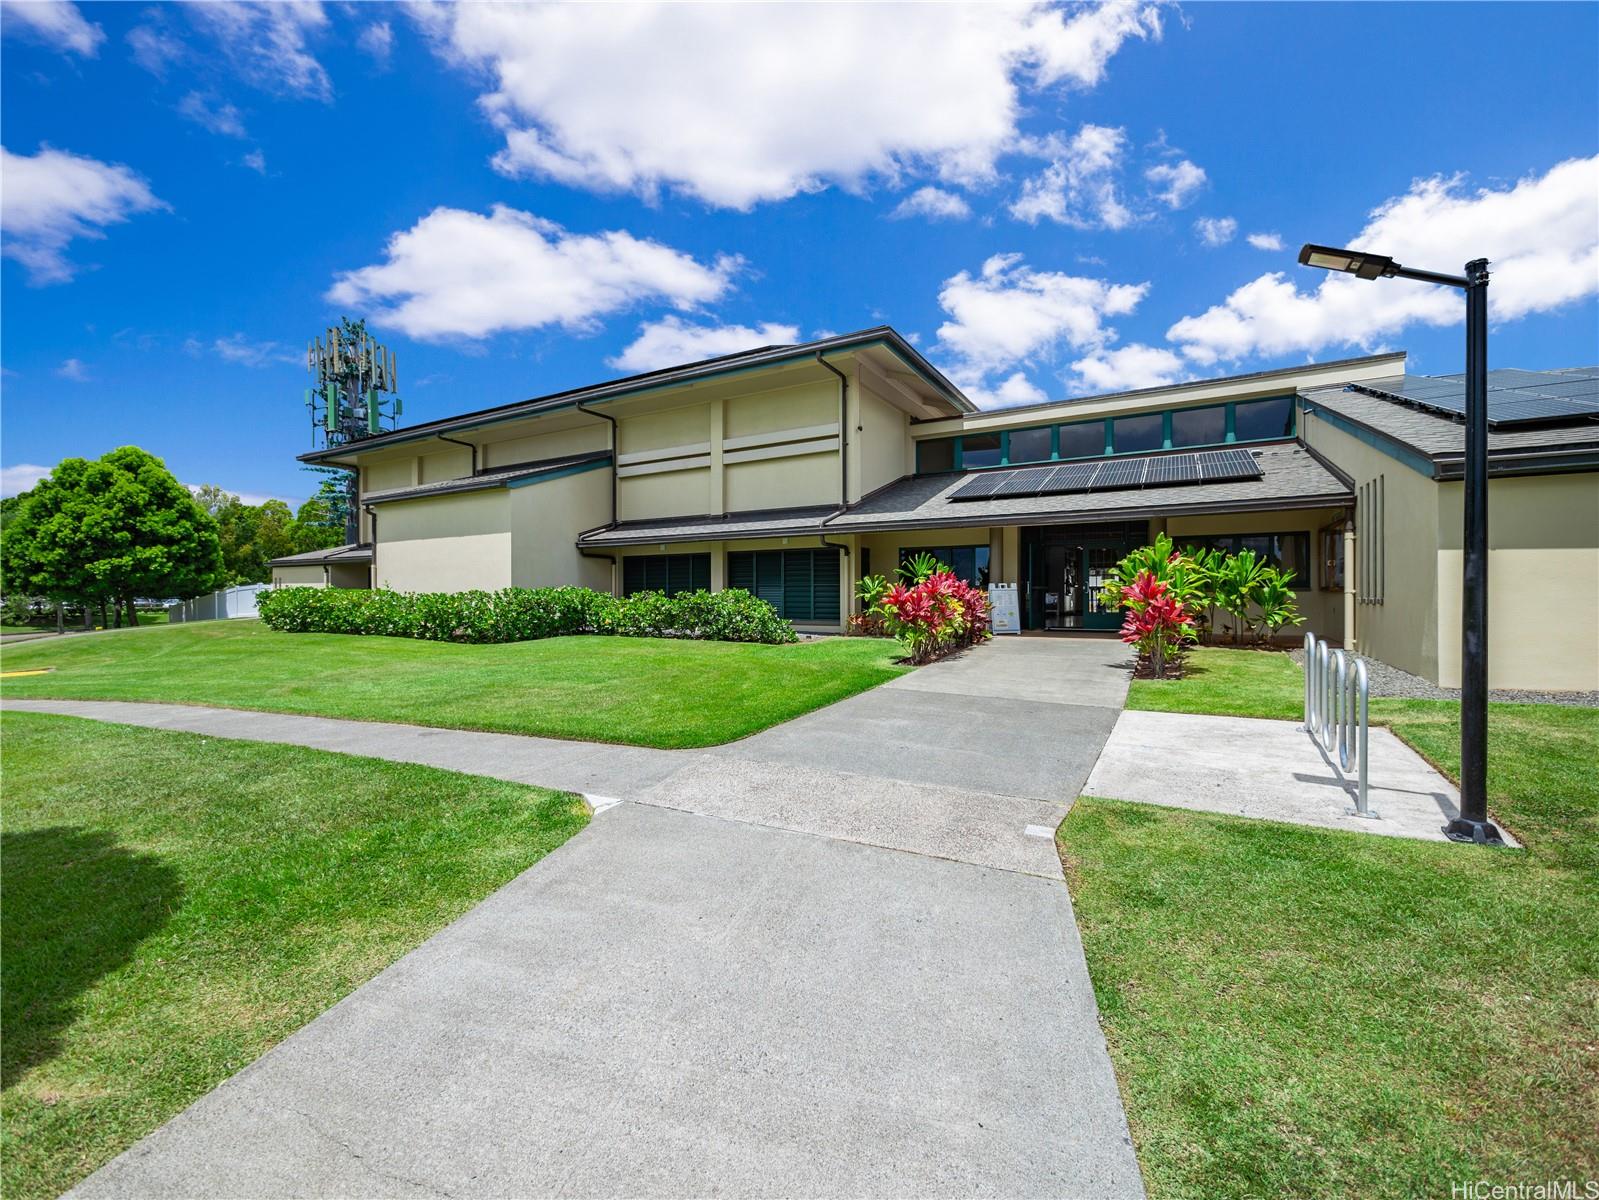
1274	597
1237	579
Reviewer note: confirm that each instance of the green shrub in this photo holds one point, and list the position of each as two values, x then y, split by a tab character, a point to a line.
523	614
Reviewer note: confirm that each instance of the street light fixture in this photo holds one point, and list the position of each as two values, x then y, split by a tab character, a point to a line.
1472	825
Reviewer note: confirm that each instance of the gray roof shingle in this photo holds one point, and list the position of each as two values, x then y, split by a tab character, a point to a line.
1292	477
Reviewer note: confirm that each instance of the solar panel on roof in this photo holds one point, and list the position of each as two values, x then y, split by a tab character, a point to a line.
1074	477
1515	397
1117	474
1024	483
1174	468
1114	476
982	486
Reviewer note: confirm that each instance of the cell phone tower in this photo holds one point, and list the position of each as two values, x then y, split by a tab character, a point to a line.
354	395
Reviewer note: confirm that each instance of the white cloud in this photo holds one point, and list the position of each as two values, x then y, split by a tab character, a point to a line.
377	41
1010	316
672	341
457	273
53	197
213	114
1175	184
256	161
1265	241
1541	235
266	42
936	204
739	104
21	478
1128	367
154	49
73	369
1079	187
55	22
1216	231
238	349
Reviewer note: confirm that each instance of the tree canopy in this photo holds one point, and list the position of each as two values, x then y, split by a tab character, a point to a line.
112	528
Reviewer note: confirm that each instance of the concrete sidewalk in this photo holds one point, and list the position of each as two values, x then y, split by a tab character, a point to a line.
1271	770
674	1005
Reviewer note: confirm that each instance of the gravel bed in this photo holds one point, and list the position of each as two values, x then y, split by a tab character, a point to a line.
1385	680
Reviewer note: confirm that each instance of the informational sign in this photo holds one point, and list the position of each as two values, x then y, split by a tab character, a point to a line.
1003	614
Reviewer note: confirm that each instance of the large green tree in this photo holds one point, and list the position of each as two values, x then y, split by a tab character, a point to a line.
109	530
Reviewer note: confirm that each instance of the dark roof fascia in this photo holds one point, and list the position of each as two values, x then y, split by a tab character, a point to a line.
488	481
333	555
1267	504
1529	460
1554	458
636	385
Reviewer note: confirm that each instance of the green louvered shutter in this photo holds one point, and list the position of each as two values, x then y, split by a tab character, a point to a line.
796	604
741	571
632	575
824	585
699	574
769	578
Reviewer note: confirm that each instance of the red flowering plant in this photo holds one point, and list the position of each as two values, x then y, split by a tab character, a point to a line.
1158	623
935	615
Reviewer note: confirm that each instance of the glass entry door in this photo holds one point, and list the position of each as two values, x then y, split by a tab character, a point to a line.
1097	563
1065	574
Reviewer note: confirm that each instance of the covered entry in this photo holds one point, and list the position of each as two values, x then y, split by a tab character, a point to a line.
1063	568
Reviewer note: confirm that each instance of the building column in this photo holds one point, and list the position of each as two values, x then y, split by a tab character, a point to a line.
1349	585
718	549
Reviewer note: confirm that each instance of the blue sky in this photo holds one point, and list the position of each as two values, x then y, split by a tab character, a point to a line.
1051	201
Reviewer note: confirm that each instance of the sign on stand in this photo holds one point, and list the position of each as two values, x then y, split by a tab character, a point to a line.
1003	614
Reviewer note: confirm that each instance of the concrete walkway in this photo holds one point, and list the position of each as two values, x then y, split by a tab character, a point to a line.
1271	770
697	994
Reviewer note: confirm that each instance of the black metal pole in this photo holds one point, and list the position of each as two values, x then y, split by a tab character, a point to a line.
1473	825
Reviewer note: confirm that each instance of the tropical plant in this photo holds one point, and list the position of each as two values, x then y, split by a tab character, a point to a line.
935	616
1207	563
1157	623
919	568
1236	580
1161	558
1274	598
869	621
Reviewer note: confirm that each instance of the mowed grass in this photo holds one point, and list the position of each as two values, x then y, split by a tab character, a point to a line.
640	691
175	905
1303	1012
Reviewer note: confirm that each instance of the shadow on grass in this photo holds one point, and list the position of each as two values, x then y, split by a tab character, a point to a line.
77	905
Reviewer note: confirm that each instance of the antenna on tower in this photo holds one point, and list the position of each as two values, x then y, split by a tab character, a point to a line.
354	394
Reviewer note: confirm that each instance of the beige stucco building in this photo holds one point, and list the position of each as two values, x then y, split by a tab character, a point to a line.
793	471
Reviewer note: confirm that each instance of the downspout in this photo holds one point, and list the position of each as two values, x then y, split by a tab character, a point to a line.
843	432
373	578
472	446
611	524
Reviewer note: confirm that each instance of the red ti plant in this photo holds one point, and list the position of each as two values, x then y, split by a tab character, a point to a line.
1157	623
937	615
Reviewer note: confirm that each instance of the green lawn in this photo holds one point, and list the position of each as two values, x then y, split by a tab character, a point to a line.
1298	1012
641	691
175	905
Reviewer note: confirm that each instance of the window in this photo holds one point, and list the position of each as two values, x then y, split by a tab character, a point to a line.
1371	541
1260	420
1133	434
802	585
1332	559
934	455
1285	551
1199	426
1083	440
669	573
1029	445
967	562
980	450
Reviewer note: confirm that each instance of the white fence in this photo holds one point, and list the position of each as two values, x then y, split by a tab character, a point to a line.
219	605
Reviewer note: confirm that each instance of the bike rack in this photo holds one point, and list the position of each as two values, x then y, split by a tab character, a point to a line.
1336	698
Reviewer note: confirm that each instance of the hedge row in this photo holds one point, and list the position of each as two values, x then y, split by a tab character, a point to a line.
523	614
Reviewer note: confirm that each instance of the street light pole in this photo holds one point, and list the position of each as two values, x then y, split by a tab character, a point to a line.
1472	825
